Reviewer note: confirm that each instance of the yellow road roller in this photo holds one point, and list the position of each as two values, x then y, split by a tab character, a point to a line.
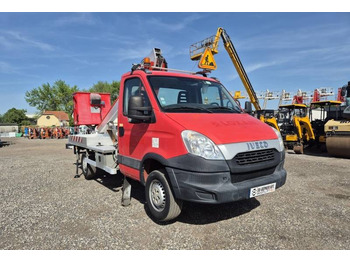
320	113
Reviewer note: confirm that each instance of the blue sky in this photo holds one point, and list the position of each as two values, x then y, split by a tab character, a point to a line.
278	50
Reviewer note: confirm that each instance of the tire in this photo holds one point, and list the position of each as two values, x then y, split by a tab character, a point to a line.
160	199
88	170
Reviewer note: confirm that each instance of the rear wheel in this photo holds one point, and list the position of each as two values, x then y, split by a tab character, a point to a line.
89	171
159	197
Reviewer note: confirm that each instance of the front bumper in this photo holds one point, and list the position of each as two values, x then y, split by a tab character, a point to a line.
216	188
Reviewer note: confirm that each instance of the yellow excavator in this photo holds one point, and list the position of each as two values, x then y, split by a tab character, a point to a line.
295	127
205	49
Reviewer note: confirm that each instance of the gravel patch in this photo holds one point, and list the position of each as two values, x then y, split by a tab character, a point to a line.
44	207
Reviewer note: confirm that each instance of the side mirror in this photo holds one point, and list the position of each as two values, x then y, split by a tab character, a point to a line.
137	112
248	107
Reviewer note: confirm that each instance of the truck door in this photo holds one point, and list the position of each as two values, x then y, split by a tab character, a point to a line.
133	140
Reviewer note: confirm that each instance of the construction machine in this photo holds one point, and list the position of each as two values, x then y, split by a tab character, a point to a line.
320	113
239	95
59	132
344	94
34	133
267	96
322	94
45	133
284	96
337	129
205	49
295	127
65	132
302	97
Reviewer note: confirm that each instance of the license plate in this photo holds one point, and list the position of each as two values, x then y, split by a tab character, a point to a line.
262	190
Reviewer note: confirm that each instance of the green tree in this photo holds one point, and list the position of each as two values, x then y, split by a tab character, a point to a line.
105	87
26	123
14	115
58	97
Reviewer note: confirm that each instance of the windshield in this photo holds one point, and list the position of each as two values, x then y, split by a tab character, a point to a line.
178	94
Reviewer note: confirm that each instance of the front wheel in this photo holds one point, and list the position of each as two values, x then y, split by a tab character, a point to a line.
159	197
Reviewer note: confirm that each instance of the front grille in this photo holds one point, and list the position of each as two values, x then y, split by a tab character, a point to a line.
246	158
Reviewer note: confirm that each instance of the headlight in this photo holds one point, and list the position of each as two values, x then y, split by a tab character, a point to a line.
280	139
199	145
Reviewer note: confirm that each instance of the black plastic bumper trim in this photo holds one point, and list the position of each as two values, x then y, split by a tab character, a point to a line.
216	188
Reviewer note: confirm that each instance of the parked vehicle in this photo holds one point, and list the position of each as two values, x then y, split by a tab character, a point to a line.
184	138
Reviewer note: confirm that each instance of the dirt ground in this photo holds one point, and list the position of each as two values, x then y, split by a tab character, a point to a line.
44	207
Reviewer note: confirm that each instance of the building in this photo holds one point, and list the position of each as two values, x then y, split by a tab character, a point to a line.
53	118
8	130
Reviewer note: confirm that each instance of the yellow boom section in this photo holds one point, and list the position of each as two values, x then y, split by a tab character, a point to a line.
197	50
239	67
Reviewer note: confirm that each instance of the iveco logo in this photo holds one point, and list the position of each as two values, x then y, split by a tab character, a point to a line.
257	145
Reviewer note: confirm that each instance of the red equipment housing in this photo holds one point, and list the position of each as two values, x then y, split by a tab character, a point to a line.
340	96
90	108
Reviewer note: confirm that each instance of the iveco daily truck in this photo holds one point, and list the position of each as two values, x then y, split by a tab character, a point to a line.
185	138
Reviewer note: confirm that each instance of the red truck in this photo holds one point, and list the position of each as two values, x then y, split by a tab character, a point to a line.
184	138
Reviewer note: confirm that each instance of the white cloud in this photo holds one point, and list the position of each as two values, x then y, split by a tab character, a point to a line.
14	39
182	24
327	54
5	42
76	18
6	68
304	37
254	67
137	51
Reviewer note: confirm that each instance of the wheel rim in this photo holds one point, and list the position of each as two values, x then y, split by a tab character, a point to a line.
157	195
84	165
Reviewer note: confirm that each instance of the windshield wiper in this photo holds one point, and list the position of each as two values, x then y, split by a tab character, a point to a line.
183	107
224	108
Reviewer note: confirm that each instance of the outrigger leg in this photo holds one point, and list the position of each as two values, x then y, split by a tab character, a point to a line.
126	192
77	163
